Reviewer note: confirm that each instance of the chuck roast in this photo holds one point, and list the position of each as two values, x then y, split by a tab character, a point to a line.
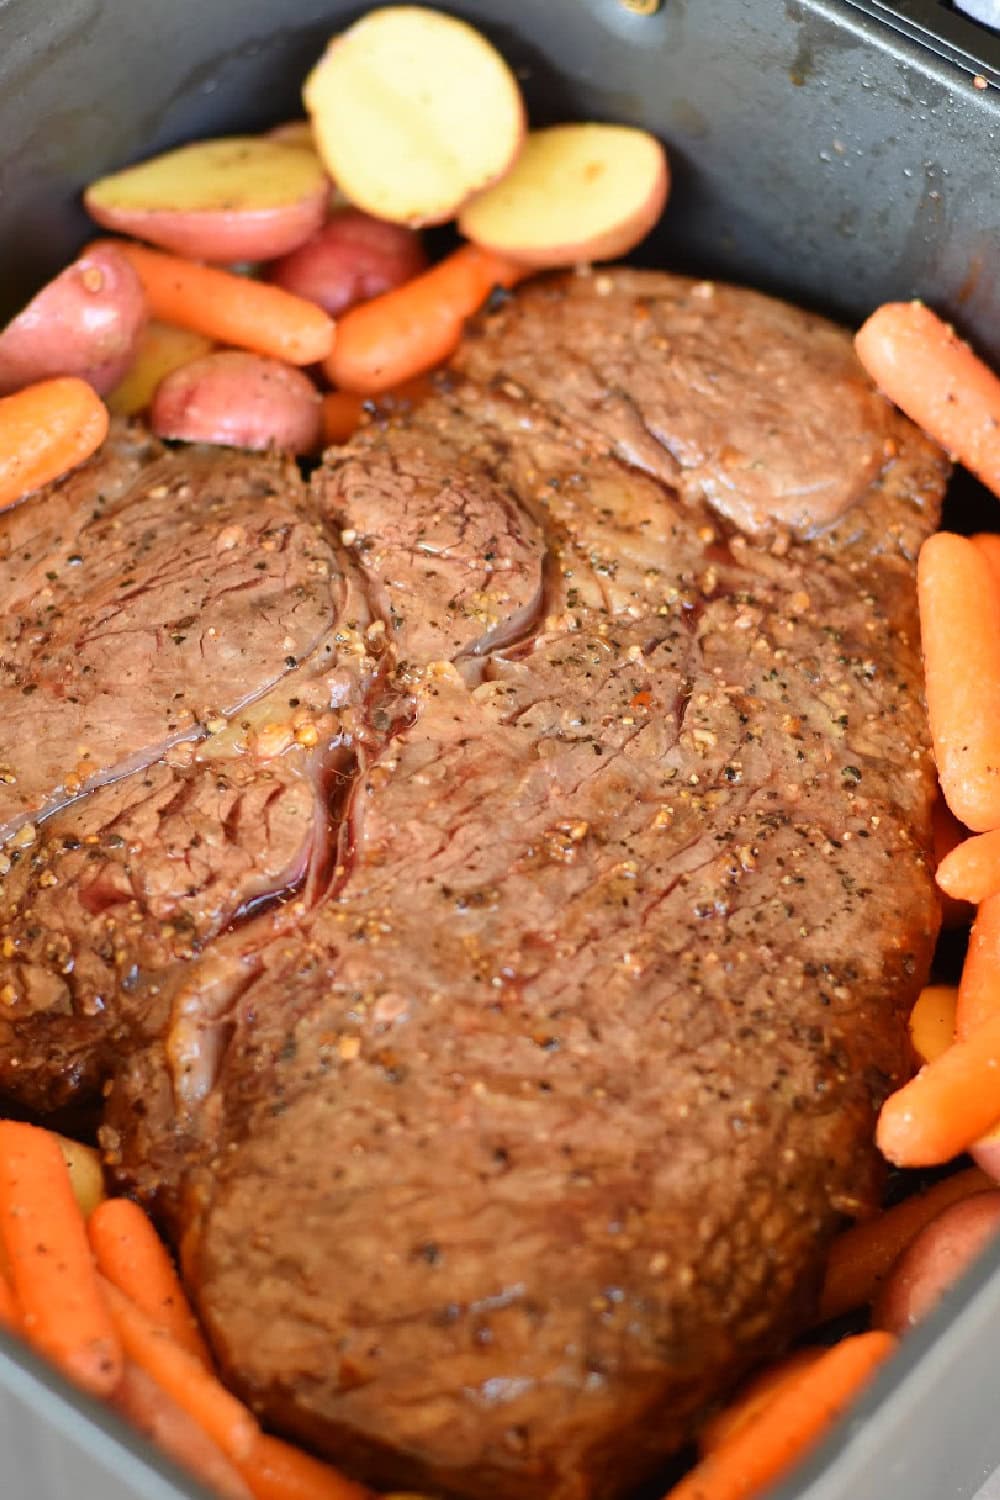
489	881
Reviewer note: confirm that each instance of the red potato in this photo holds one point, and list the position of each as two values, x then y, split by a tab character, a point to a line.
242	198
352	258
576	193
931	1263
413	111
241	400
294	133
86	322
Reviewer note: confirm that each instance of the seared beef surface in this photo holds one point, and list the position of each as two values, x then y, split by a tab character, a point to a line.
497	876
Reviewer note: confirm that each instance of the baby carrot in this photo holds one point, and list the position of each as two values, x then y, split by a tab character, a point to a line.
988	543
979	986
948	833
63	1312
402	333
10	1318
926	369
757	1394
960	634
971	872
45	430
277	1471
150	1410
949	1105
341	416
863	1255
184	1378
231	309
130	1254
791	1424
932	1021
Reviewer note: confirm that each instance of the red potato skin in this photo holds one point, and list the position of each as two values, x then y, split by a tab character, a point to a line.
618	240
932	1262
293	133
86	322
221	236
352	258
240	400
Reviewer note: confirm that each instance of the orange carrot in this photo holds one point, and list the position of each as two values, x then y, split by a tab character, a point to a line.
131	1254
184	1378
277	1471
960	632
863	1255
402	333
978	988
790	1425
10	1318
143	1403
988	543
342	412
63	1313
231	309
926	369
932	1021
46	430
971	872
949	1105
948	833
757	1394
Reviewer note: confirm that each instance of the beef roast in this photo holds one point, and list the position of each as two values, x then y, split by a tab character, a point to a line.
488	883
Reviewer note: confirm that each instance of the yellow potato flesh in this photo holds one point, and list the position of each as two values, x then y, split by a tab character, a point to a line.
413	111
932	1021
163	348
85	1173
233	175
576	192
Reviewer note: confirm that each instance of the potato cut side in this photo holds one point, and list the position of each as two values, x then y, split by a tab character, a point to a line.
414	112
234	173
162	349
576	193
239	198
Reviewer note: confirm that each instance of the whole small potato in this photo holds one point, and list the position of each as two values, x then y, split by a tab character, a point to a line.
932	1262
233	199
353	257
86	322
240	400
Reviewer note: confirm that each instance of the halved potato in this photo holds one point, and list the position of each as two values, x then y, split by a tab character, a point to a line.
239	198
293	133
576	193
413	112
163	348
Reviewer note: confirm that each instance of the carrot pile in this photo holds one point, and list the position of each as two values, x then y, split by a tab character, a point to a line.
953	1103
928	371
98	1295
